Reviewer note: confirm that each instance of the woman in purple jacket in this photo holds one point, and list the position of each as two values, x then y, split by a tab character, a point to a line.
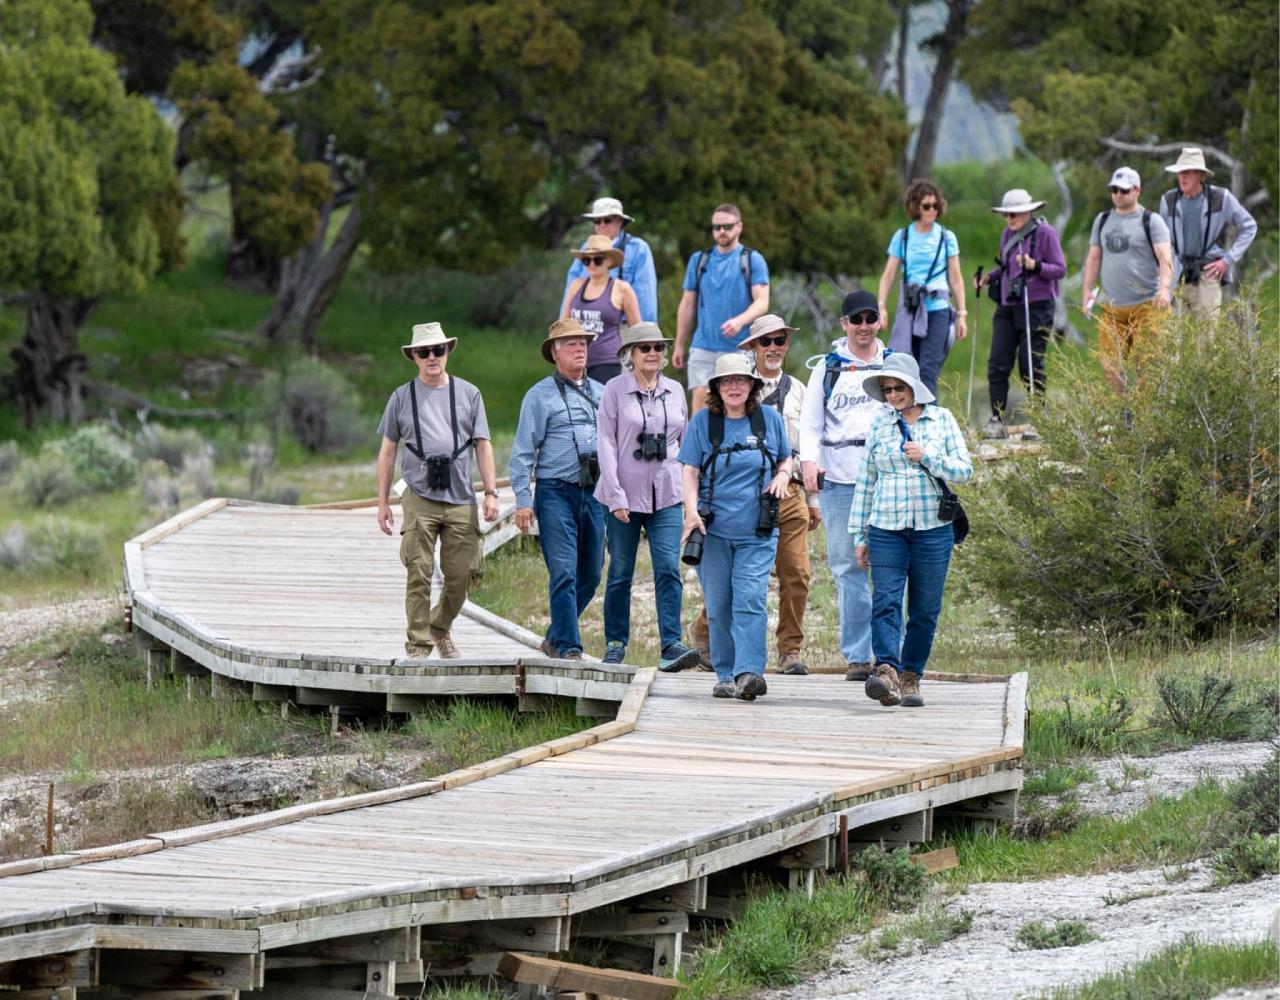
641	422
1024	283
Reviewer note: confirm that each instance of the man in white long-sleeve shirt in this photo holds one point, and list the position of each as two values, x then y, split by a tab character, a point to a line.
834	422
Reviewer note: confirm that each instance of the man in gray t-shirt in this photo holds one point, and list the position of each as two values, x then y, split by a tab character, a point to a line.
1129	247
440	419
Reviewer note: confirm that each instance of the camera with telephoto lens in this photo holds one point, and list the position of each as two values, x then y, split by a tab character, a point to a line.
438	477
948	507
693	544
1017	286
653	448
768	519
588	470
1191	268
913	295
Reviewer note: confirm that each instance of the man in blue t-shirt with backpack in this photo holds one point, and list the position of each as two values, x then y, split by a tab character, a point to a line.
725	288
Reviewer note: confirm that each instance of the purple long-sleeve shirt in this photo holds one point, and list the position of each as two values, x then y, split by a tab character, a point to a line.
1045	248
626	410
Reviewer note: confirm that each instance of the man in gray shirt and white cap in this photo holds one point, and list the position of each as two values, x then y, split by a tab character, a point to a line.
441	420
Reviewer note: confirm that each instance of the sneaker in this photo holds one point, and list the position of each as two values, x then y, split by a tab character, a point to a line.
549	650
614	651
677	656
995	430
445	648
573	654
882	685
750	686
909	682
1030	433
724	689
417	650
790	663
858	671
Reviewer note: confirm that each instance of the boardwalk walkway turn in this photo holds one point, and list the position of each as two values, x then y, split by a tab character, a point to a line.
660	811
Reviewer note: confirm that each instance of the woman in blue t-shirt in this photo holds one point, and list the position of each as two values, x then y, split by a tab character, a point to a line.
932	292
725	490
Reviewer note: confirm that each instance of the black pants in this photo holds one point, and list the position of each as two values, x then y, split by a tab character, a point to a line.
1009	340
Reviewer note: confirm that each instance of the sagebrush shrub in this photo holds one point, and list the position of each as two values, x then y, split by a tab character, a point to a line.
1159	508
70	547
176	448
317	406
102	460
45	480
892	875
10	458
1209	706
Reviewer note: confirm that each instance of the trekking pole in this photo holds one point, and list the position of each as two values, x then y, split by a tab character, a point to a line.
973	341
1026	316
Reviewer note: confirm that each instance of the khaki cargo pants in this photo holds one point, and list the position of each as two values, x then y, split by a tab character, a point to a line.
456	527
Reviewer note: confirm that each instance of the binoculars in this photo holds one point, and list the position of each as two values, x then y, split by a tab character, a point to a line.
438	477
653	448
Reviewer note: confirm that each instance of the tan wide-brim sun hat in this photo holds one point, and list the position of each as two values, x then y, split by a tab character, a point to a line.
561	329
735	363
1016	201
764	325
902	367
603	208
427	335
598	245
641	333
1191	158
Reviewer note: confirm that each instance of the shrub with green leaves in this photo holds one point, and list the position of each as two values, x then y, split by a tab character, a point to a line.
175	448
315	404
45	480
103	461
1210	706
1156	509
892	876
1037	936
1246	859
71	547
10	458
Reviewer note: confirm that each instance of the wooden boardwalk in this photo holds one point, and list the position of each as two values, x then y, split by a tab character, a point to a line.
627	830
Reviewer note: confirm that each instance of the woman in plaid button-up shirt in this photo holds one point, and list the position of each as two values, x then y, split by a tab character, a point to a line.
895	525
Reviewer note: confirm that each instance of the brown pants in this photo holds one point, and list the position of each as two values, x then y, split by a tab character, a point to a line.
1125	331
457	528
791	566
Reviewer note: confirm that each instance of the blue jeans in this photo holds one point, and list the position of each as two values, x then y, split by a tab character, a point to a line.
571	530
735	588
918	561
663	529
853	588
931	349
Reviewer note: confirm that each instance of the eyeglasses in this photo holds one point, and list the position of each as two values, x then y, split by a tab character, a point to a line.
594	261
439	351
1120	190
722	226
928	206
734	380
650	348
607	222
894	388
864	319
778	341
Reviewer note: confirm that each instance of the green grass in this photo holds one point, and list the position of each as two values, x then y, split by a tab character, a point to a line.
1190	970
1038	936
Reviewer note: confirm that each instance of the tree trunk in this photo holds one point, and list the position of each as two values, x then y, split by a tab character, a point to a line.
249	267
309	280
48	368
904	36
944	70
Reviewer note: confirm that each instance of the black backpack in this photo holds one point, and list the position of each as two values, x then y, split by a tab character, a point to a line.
1146	228
744	264
715	434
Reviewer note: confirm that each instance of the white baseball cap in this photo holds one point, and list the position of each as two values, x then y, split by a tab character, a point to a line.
1125	177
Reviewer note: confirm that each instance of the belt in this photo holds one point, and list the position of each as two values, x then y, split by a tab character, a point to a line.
852	443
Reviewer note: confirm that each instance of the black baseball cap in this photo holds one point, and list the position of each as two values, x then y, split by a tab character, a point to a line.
860	301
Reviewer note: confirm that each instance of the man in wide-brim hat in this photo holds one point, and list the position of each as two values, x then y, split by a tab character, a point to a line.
636	264
1198	215
555	447
441	421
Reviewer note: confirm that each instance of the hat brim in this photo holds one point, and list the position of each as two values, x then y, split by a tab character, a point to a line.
1175	169
615	255
1030	206
449	342
608	215
546	344
765	333
871	386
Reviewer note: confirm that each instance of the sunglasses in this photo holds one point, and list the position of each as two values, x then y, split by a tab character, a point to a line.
779	341
725	226
594	261
928	206
608	222
650	348
863	319
1120	190
439	351
893	388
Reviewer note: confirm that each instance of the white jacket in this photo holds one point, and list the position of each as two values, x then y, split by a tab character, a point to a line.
827	424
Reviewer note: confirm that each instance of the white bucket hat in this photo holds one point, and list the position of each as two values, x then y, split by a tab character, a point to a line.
1016	201
641	333
602	208
1191	158
901	366
735	363
427	335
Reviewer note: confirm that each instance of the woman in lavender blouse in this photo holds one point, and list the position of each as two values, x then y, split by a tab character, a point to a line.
641	423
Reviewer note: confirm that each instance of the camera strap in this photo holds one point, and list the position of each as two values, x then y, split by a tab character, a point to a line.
933	271
644	414
458	449
943	489
715	435
1172	205
561	382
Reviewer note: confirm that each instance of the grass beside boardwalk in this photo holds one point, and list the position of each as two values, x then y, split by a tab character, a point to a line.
1190	970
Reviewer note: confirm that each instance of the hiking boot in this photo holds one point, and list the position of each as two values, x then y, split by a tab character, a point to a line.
995	430
790	663
750	686
614	651
882	685
724	689
700	640
858	671
549	650
1030	433
417	650
573	654
676	657
445	649
909	683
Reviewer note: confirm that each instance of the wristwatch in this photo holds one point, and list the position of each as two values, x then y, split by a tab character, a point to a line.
491	493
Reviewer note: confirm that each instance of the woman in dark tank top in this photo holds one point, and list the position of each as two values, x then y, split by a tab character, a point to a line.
601	303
